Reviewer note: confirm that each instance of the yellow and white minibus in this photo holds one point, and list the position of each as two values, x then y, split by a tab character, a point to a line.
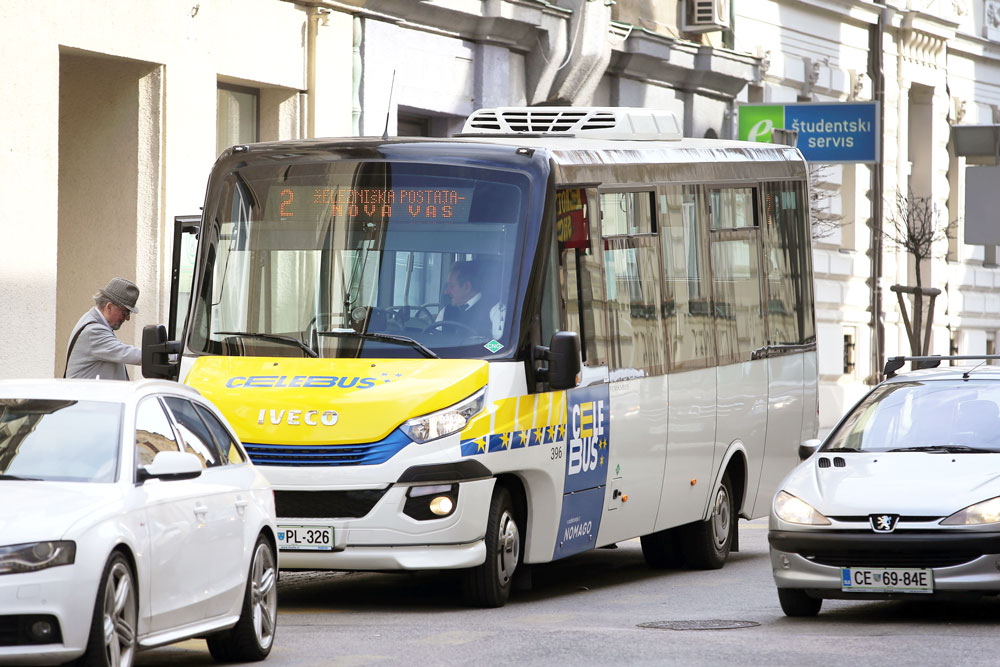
562	329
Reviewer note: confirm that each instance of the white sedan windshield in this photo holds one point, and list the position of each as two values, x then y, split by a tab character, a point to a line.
938	415
59	440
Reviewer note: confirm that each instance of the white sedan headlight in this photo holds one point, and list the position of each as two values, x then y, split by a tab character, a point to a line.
444	422
789	508
987	511
35	556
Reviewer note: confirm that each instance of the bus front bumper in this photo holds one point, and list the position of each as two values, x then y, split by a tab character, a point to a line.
425	557
386	537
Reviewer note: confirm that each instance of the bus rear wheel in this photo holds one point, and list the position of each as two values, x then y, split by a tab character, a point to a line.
705	544
489	584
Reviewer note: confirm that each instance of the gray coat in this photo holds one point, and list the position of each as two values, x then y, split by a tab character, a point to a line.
98	353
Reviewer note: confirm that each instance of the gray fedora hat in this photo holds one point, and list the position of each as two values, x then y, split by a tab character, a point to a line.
122	293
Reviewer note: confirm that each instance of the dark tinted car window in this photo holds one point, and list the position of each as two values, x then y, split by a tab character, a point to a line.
230	452
60	440
196	436
153	432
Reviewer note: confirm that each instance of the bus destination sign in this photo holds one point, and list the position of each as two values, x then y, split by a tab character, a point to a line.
440	205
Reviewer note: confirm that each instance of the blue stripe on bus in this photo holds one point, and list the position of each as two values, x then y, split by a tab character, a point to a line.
352	454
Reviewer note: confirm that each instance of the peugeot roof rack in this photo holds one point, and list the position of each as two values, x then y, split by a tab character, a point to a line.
893	364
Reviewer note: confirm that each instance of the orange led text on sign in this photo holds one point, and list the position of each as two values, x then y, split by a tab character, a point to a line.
419	203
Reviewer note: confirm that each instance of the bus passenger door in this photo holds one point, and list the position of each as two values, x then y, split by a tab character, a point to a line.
637	446
687	312
742	398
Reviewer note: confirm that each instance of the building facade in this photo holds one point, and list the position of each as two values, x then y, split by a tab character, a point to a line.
939	66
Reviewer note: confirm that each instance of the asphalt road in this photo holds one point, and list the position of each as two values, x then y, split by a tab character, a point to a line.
587	610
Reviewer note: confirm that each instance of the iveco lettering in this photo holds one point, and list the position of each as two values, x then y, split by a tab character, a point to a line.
508	347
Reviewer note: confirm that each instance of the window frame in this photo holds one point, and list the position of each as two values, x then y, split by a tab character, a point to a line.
220	461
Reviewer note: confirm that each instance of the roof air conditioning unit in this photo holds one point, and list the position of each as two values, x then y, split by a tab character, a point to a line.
705	15
626	123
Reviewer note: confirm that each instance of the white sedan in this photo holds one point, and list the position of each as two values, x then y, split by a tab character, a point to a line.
130	517
902	500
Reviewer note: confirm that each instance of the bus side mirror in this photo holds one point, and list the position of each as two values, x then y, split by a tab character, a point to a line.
156	351
564	360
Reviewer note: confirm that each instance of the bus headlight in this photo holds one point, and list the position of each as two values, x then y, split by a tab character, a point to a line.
444	422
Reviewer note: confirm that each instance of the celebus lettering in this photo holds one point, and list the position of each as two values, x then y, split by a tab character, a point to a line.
587	430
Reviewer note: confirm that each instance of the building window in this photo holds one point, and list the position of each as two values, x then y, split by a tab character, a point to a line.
237	118
848	351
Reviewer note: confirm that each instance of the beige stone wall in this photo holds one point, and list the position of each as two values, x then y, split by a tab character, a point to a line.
108	132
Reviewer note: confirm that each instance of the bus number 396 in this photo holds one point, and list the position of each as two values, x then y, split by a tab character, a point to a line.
557	453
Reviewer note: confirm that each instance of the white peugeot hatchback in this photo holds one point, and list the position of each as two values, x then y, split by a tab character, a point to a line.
130	517
902	500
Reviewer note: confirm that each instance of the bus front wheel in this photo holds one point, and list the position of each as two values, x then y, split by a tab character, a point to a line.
706	544
489	584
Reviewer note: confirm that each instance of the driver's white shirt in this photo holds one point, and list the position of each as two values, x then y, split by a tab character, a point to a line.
498	313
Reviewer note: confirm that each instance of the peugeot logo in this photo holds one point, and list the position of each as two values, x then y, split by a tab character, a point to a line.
298	417
883	523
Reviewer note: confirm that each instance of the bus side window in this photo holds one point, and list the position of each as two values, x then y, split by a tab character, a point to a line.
687	303
632	271
739	321
788	265
579	273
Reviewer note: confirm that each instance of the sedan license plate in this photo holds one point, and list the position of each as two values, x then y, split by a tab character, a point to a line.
305	538
886	580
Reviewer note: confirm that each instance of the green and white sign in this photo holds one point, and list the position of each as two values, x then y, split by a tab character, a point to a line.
837	132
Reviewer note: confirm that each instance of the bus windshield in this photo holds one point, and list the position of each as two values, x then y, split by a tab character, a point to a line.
362	259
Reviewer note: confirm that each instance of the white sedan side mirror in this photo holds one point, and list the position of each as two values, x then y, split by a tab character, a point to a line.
808	448
171	466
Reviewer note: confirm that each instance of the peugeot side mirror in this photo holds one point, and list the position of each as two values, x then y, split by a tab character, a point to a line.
808	448
156	351
564	360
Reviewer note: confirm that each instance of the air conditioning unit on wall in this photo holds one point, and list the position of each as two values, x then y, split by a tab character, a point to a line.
704	15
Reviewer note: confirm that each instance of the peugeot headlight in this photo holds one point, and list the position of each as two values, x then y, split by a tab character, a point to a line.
789	508
35	556
444	422
987	511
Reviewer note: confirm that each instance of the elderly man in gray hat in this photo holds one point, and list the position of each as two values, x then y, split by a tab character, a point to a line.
94	351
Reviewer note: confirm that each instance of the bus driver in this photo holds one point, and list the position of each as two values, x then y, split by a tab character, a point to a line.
468	307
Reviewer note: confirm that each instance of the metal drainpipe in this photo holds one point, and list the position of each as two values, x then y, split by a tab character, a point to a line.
357	70
311	31
877	74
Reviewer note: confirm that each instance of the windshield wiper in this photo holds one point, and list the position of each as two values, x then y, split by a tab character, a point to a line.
945	449
20	479
275	337
839	449
384	337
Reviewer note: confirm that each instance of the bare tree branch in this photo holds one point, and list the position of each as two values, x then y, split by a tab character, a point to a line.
916	225
824	223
